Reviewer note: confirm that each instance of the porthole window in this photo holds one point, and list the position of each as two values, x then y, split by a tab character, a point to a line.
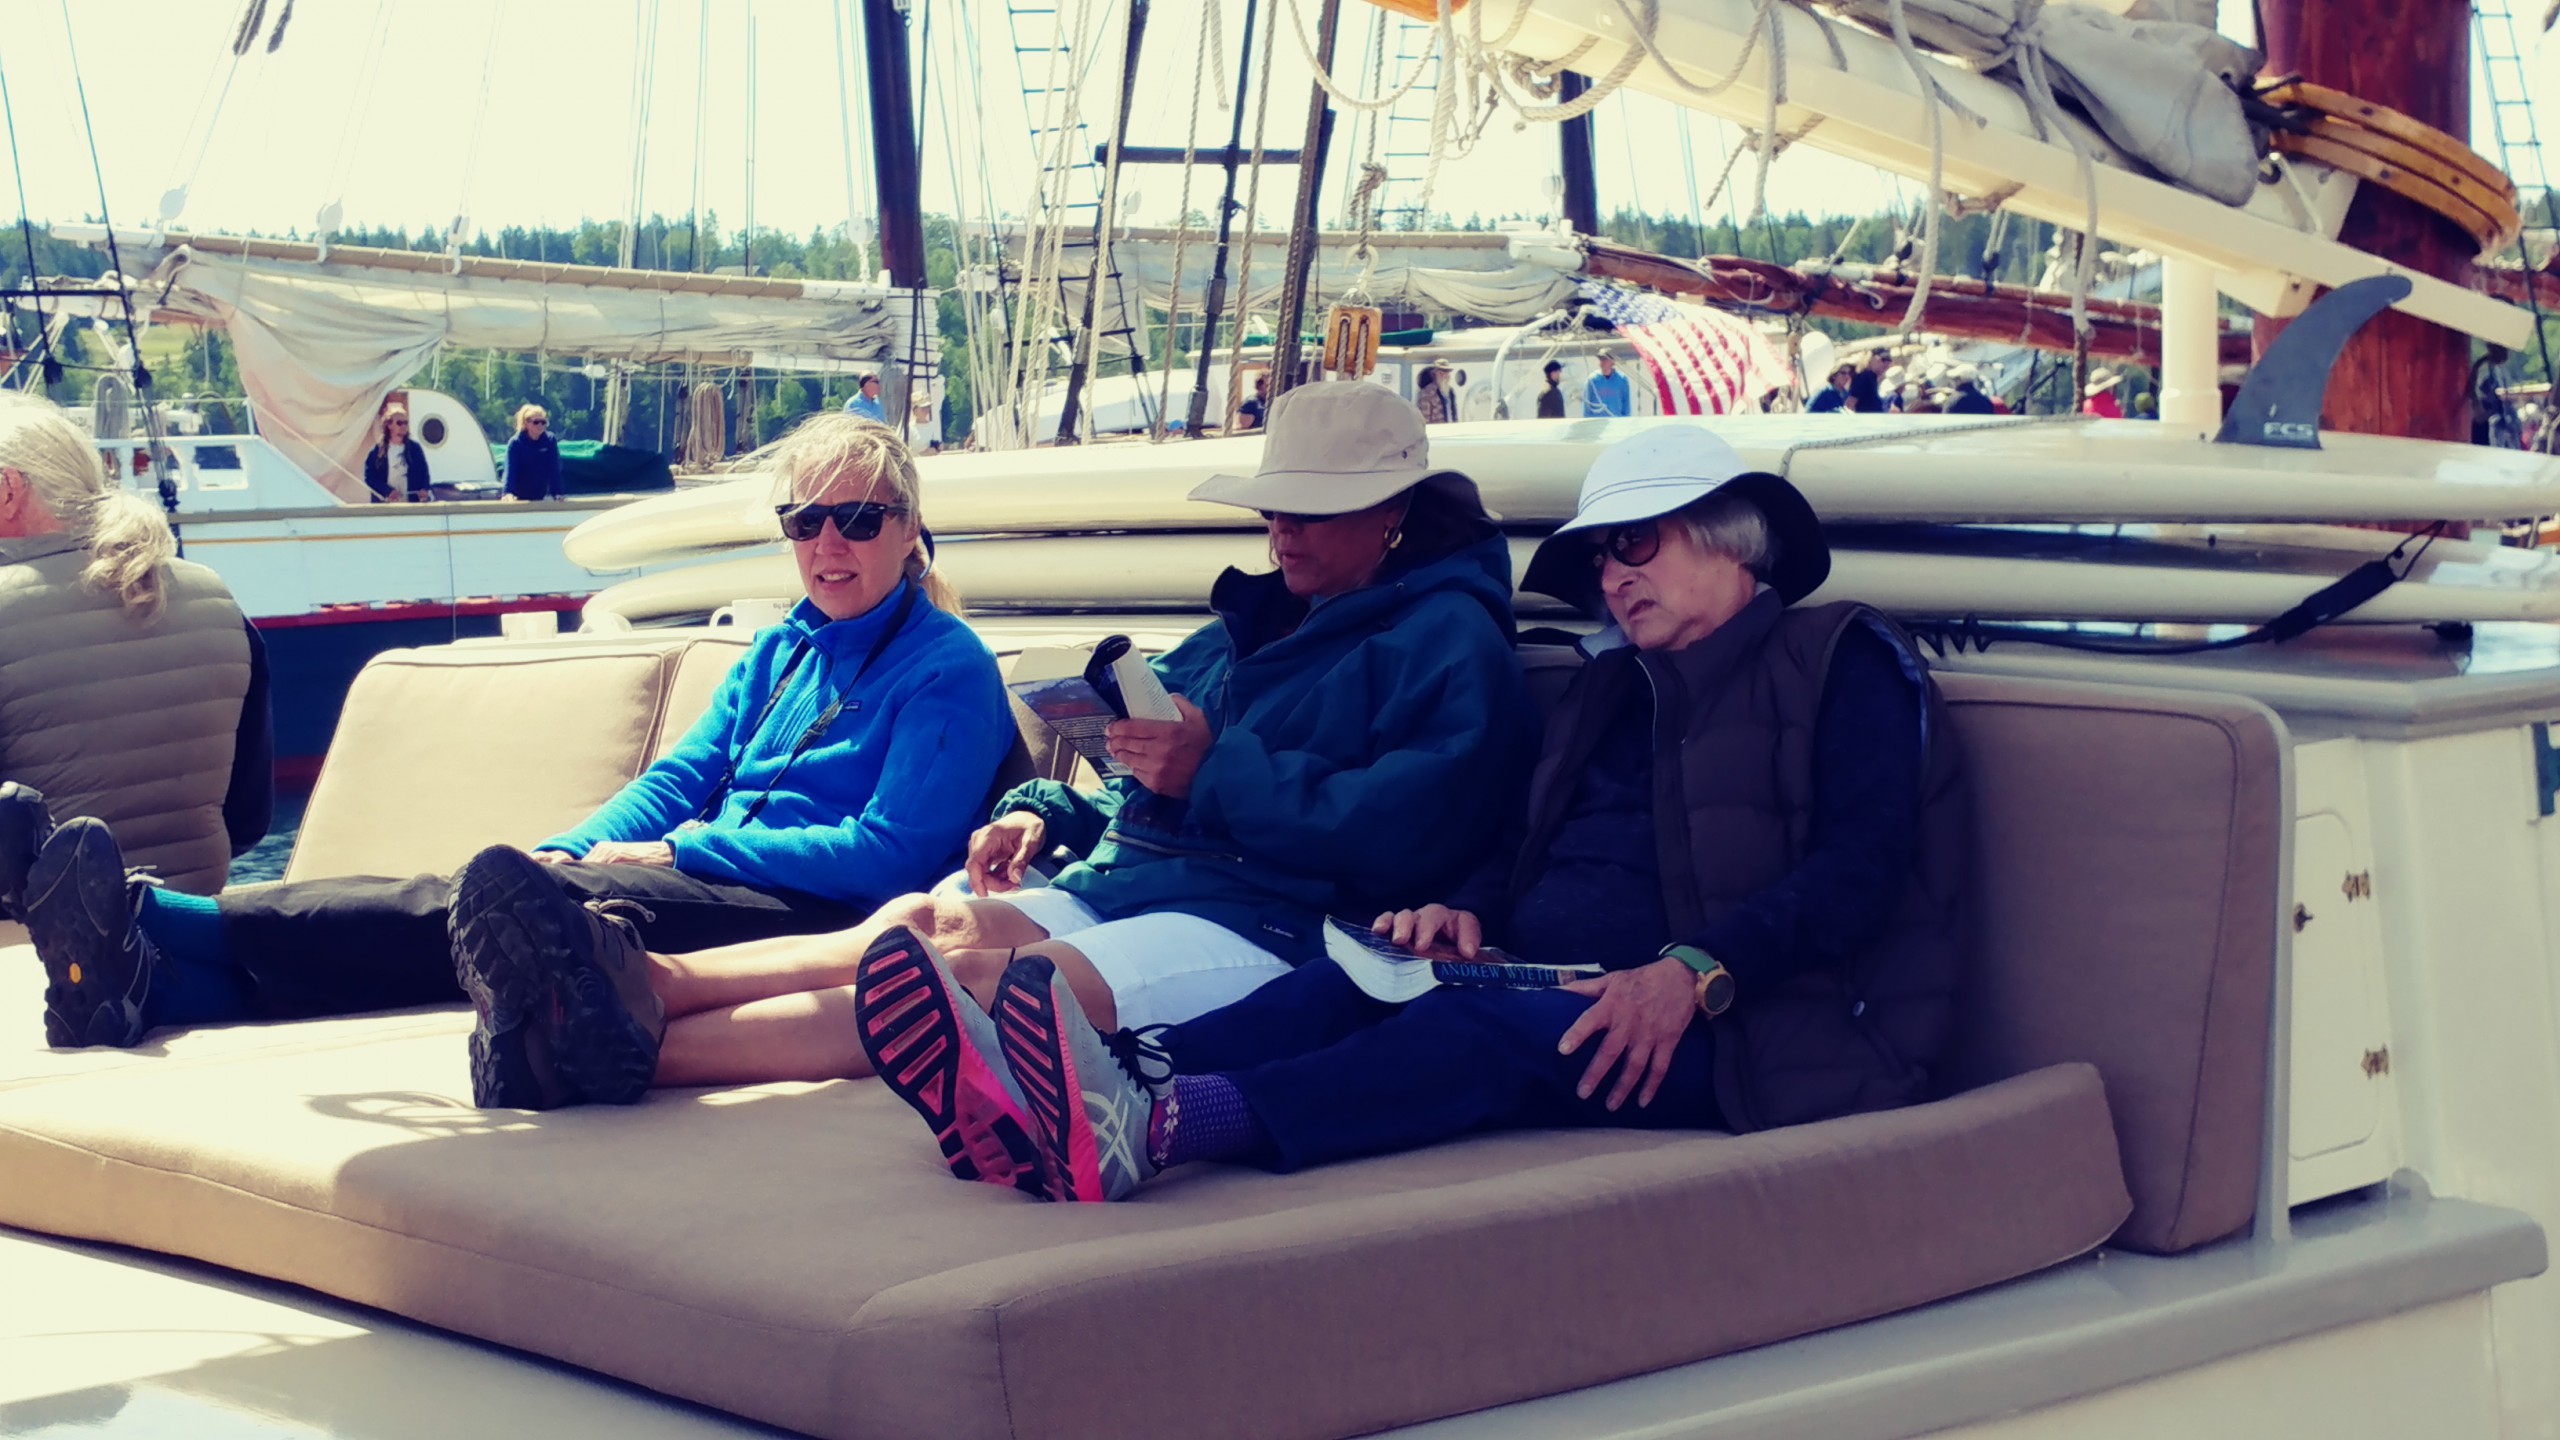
433	430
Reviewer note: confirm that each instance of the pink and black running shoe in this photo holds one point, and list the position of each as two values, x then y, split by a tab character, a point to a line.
931	1043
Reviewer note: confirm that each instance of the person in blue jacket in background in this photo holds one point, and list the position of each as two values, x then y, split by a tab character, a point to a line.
842	761
1354	727
533	457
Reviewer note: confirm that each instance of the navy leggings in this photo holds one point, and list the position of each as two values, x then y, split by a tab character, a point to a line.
1333	1075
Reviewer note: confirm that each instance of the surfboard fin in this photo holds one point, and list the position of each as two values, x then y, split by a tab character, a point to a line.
2280	398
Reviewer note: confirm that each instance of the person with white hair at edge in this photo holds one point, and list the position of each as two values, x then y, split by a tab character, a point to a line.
132	690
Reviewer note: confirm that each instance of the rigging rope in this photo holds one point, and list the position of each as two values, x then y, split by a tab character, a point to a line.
124	287
1181	234
1252	225
26	229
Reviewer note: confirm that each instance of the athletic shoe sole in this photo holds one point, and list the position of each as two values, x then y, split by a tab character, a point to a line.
1044	1062
525	951
79	913
910	1021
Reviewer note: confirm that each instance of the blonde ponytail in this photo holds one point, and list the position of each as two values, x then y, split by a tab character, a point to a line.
130	548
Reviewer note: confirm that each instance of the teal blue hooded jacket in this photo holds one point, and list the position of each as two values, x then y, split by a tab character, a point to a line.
1362	761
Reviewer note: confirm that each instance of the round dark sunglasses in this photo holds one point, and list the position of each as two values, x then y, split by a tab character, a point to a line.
854	520
1633	546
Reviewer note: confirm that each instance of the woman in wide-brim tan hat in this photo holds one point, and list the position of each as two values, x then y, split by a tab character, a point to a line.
1351	730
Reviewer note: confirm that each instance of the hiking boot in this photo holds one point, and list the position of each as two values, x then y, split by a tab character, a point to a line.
81	911
566	1012
1089	1113
25	824
932	1045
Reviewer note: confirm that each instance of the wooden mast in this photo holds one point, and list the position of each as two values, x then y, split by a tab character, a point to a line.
2400	375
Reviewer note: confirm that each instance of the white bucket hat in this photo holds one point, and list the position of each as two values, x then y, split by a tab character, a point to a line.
1334	447
2100	379
1661	470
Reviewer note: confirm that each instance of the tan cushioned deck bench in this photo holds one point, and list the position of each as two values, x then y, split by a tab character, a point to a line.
796	1254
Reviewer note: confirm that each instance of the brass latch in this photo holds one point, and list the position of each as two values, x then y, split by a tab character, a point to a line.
2377	1062
2358	886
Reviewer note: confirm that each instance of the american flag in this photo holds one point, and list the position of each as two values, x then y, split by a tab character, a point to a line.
1704	362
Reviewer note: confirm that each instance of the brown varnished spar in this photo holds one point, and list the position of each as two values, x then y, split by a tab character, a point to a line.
2492	223
2345	111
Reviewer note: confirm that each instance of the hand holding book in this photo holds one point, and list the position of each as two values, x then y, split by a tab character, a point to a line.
1162	754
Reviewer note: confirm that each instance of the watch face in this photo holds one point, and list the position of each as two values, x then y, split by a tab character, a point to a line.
1715	991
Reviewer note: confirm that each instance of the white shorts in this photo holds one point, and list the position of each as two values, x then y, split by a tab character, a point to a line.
1163	968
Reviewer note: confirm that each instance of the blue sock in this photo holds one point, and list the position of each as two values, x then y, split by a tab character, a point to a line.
196	982
1203	1117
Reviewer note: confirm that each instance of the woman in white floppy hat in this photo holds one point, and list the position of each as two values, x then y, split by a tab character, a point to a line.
1746	813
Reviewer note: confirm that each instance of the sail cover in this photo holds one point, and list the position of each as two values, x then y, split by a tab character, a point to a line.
1470	273
322	344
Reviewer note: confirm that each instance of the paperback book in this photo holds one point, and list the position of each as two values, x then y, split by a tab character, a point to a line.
1387	971
1078	691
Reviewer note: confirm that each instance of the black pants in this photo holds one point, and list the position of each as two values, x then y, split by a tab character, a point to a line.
338	947
1334	1075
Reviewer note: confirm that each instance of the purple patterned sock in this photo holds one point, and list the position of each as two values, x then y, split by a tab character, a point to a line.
1202	1117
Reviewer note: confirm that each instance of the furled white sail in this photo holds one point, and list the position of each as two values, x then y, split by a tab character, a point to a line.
1471	273
322	343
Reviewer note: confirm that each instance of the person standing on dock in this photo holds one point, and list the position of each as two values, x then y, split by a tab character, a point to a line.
1551	399
1607	393
866	403
396	468
533	458
1835	397
2099	398
1431	394
131	689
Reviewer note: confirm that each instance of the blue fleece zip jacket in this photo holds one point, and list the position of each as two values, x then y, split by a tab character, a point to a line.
880	804
1363	759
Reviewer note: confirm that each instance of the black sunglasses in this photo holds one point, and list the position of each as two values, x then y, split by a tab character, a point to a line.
855	519
1633	546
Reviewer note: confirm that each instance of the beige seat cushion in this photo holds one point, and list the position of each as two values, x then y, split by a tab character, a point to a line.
2129	851
440	752
797	1254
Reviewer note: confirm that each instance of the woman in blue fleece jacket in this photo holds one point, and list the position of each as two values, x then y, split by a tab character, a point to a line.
842	761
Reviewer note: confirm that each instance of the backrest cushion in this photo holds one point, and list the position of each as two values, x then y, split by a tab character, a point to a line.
701	664
440	752
2128	857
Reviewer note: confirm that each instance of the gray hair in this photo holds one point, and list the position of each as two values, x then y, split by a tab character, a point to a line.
127	538
1728	525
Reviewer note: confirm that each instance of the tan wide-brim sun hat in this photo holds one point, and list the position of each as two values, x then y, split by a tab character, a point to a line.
2100	380
1334	447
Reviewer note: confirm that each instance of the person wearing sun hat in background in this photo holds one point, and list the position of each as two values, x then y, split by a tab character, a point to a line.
1749	814
2098	397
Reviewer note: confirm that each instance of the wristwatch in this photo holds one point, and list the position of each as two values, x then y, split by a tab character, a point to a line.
1715	983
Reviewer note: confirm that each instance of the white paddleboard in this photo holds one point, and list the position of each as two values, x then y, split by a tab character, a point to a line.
1926	469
